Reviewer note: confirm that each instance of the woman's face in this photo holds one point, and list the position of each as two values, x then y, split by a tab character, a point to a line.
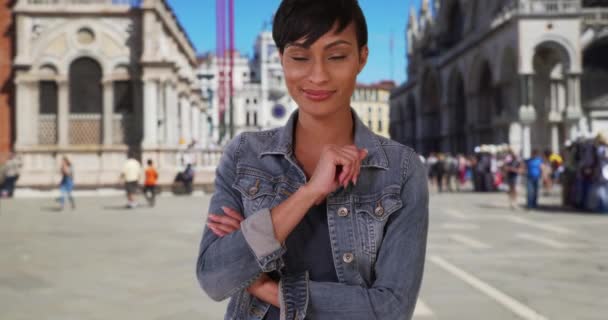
321	78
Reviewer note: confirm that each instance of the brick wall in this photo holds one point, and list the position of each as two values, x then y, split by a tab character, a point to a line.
6	82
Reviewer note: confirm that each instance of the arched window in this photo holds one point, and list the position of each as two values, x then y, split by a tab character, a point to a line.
48	97
86	101
85	86
47	122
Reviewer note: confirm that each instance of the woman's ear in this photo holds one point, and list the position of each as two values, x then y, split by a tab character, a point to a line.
363	54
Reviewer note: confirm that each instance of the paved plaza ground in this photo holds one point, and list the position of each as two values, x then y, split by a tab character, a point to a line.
102	261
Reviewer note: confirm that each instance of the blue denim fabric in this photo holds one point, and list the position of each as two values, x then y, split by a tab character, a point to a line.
532	192
378	240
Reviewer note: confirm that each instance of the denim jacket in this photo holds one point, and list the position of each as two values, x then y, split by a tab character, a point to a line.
377	229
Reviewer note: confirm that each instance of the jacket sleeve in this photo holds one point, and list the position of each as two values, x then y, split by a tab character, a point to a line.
229	264
398	269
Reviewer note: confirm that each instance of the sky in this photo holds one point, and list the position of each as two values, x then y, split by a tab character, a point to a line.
384	18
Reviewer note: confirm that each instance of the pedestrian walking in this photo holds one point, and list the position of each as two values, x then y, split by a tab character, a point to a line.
281	240
131	174
533	174
150	183
66	186
11	172
440	171
451	164
546	174
431	162
512	168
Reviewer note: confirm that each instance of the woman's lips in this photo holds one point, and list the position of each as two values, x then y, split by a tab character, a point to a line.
318	95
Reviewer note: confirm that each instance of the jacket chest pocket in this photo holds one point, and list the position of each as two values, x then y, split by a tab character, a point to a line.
256	192
371	215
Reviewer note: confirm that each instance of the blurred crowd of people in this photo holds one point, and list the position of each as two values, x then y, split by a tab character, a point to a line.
495	168
131	176
585	174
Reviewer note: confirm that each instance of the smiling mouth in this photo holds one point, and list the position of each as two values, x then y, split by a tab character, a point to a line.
318	95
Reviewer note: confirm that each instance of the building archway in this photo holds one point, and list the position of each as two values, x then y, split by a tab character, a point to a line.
594	93
457	114
486	105
431	121
506	99
551	65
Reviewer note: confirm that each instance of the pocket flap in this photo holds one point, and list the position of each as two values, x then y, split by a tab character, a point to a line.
380	206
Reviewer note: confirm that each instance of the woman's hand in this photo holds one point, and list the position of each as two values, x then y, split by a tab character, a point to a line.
223	225
266	290
337	166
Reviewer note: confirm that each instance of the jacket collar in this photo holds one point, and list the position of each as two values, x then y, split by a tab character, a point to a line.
281	143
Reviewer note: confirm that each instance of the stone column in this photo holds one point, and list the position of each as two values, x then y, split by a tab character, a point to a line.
555	137
34	89
24	111
196	129
108	112
186	113
171	116
573	106
63	113
150	113
203	129
162	114
527	114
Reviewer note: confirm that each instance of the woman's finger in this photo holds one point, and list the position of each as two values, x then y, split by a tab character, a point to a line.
225	220
216	231
350	167
340	158
233	213
221	227
357	164
352	153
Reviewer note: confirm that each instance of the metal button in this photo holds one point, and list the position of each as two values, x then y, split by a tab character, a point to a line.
253	191
379	211
342	212
256	312
348	257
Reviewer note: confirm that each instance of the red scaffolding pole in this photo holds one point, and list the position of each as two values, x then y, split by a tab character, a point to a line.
225	61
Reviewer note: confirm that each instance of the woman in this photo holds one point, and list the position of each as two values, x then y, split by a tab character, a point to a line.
67	183
321	218
512	168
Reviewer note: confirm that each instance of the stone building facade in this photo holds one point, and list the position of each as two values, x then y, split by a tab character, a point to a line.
96	80
371	102
530	73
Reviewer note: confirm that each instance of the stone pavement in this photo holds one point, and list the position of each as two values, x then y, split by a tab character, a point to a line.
102	261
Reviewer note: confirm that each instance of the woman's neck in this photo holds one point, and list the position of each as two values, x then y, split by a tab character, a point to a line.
336	129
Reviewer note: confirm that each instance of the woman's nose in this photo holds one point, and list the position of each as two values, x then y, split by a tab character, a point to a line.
319	73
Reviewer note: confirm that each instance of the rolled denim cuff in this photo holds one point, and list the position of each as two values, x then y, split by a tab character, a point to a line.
294	296
259	234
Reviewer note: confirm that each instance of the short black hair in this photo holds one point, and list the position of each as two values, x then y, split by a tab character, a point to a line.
149	162
311	19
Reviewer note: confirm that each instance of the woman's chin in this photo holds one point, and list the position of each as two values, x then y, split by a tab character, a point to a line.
318	110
